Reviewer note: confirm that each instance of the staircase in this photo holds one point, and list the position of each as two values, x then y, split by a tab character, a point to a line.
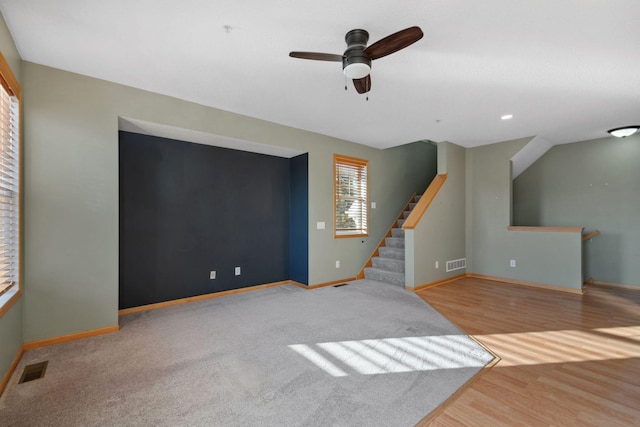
388	265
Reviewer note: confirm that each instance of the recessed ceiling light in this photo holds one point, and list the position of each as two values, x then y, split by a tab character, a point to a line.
507	117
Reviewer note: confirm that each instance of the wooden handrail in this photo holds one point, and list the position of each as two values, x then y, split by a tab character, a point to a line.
548	229
588	236
424	202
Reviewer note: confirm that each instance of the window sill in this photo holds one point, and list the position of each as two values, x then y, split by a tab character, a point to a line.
8	299
348	234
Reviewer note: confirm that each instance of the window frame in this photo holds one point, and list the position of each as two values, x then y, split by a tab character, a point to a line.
362	164
10	84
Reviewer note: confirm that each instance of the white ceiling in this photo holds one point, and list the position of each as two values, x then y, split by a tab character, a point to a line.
567	70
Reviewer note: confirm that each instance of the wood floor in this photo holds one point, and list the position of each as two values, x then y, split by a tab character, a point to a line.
567	360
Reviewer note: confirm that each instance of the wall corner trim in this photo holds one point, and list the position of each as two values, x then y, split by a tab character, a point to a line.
625	286
11	370
199	298
438	282
526	283
70	337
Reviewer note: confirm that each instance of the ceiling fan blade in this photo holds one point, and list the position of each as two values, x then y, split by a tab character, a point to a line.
394	42
316	56
363	85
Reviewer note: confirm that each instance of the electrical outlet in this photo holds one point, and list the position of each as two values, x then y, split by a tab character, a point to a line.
437	264
512	263
212	275
337	264
320	225
237	271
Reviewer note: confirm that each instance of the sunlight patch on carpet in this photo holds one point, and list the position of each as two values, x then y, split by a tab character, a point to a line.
394	355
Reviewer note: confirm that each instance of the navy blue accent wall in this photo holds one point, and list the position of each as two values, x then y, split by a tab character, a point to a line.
187	209
299	220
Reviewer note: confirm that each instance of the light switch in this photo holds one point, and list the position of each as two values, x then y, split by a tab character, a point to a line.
373	205
321	225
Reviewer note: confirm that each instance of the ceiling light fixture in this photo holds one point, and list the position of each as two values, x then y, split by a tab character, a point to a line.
356	71
356	66
507	117
624	131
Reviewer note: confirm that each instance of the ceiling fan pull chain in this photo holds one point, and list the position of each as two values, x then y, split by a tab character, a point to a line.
345	82
368	89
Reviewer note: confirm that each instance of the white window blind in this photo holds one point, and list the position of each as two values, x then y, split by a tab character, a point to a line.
350	196
9	190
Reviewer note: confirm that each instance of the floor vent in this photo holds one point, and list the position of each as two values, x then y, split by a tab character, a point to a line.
33	372
456	264
341	284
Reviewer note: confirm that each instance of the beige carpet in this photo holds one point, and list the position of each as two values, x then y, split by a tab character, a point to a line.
368	353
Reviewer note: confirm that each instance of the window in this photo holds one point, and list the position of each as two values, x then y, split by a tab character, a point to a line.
9	187
350	203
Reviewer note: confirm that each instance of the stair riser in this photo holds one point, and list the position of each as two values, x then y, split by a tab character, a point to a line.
384	276
388	264
393	253
394	242
397	232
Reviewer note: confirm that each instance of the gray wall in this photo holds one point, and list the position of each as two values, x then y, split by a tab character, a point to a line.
440	235
71	132
592	184
11	323
541	257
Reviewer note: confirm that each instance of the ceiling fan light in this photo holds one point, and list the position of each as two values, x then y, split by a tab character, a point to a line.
624	131
357	70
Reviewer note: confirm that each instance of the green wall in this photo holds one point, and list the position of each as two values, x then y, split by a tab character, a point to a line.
11	323
592	184
440	235
550	258
71	197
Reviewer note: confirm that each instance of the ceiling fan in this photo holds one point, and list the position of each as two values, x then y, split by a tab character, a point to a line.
356	60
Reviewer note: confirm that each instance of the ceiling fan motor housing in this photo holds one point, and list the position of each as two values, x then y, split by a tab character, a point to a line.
355	63
357	38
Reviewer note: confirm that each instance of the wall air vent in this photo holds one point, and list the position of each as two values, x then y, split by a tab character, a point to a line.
456	264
